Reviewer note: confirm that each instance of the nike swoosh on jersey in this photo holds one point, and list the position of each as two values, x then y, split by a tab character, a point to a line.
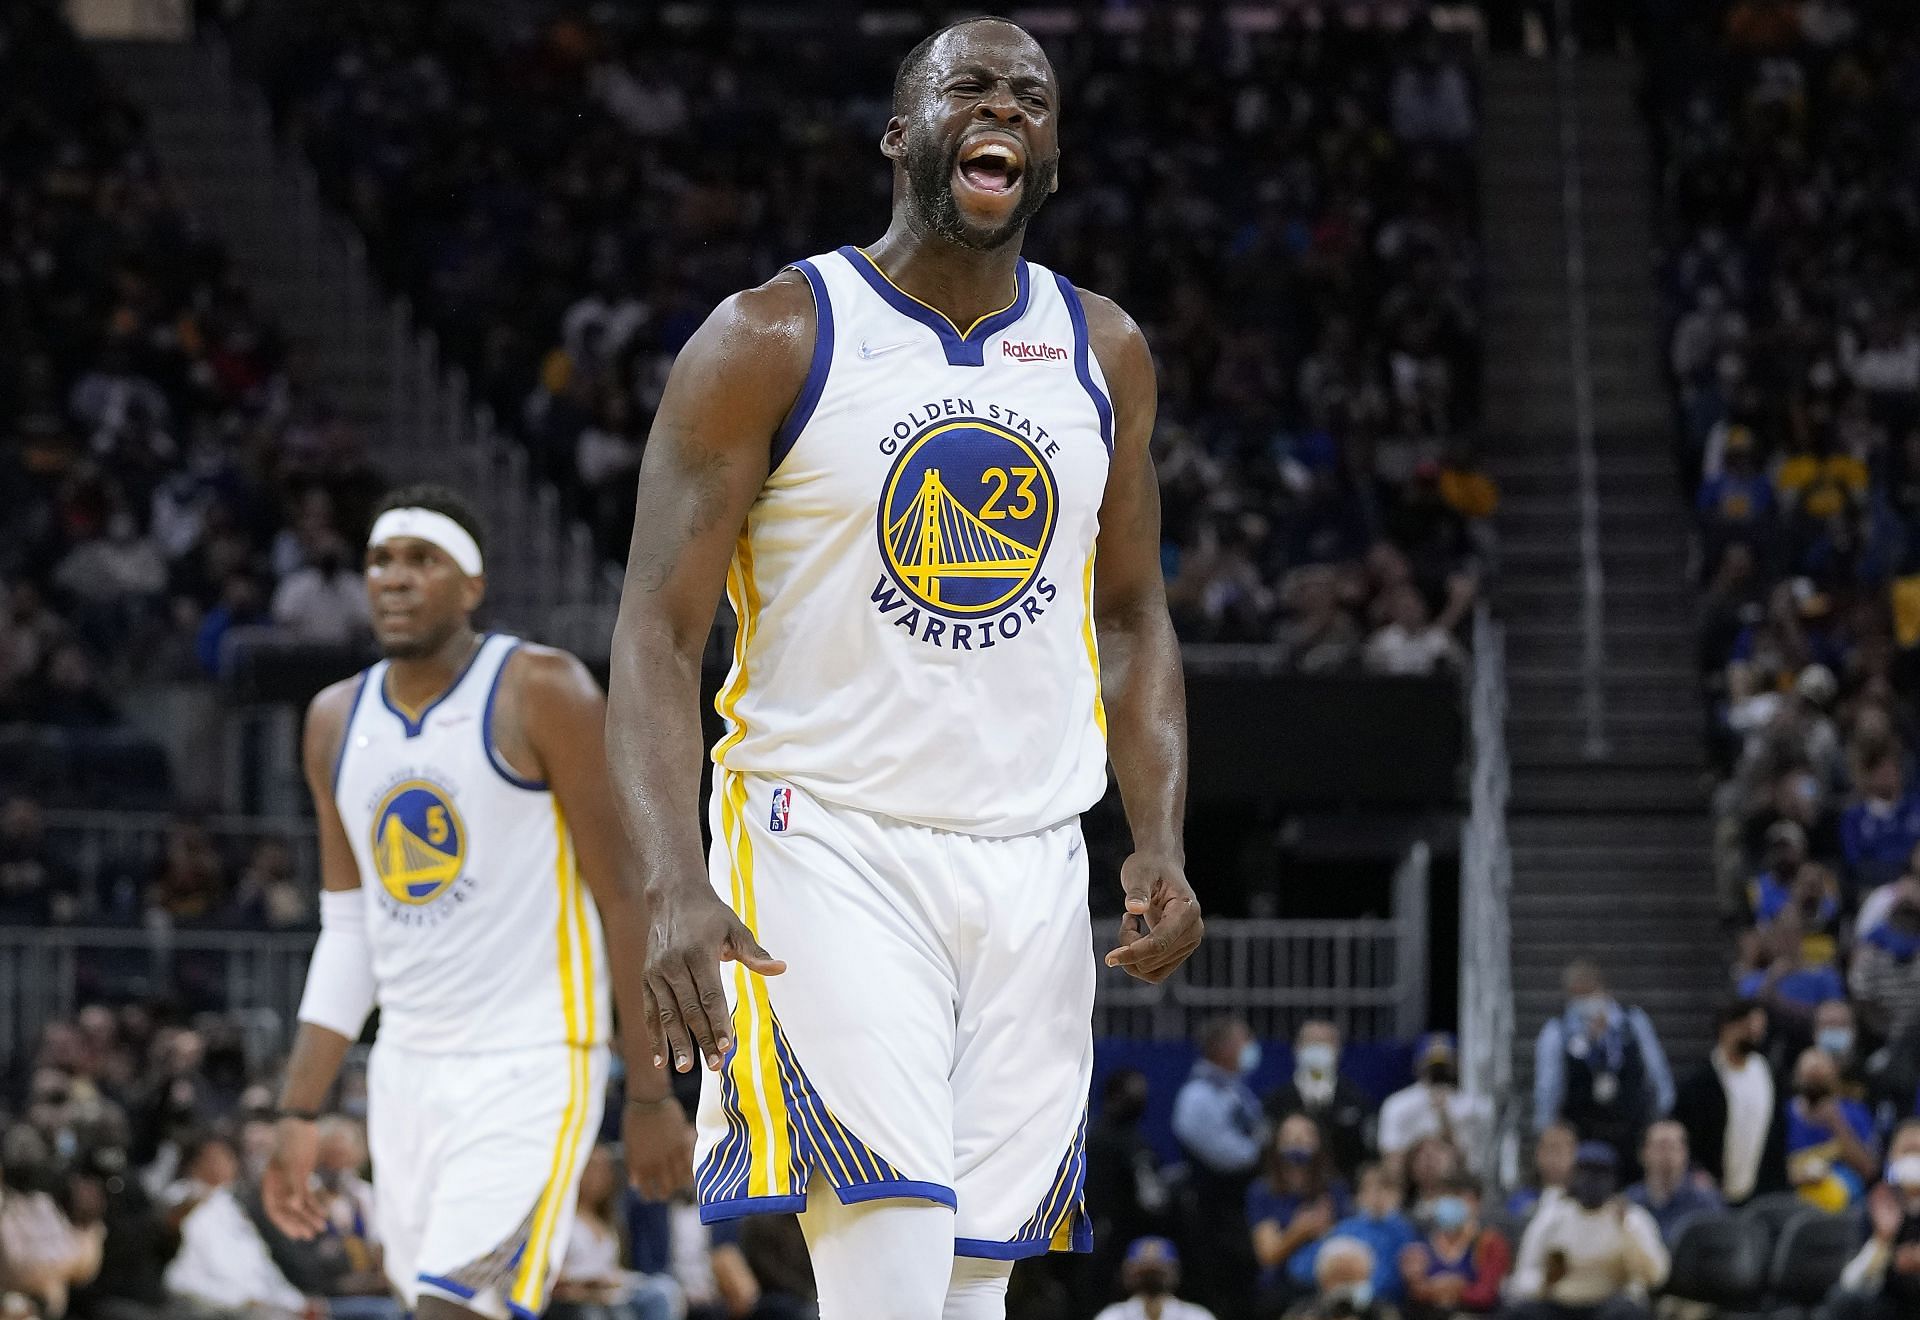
870	350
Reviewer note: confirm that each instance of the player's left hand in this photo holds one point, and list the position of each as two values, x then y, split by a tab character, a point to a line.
659	1146
1162	925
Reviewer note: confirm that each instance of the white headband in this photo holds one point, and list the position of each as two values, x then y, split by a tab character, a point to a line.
434	529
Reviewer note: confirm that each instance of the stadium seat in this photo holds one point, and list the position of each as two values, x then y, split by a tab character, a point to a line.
1718	1259
1770	1214
1813	1249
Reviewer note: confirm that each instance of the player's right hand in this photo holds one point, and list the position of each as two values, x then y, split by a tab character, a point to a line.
693	932
286	1188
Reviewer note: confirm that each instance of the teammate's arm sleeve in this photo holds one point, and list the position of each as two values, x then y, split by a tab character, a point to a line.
340	989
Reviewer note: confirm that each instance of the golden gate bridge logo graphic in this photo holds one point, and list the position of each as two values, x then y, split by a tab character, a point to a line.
966	516
419	842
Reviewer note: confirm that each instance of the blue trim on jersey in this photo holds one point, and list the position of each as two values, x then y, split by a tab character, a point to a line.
739	1207
898	1189
414	726
519	1312
816	381
987	1249
459	1290
497	761
968	350
1082	347
353	711
1064	1204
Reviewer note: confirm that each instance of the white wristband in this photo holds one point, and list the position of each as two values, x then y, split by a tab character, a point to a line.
340	986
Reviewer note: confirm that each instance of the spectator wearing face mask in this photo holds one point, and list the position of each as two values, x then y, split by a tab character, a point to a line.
1379	1222
1434	1106
1733	1111
1344	1289
1296	1201
1218	1122
1669	1188
1553	1152
1460	1264
1836	1031
1883	1281
1830	1156
1151	1275
325	600
1323	1093
1591	1256
1599	1066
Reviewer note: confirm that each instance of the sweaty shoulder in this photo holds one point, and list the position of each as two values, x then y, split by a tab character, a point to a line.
327	716
758	343
1121	348
545	673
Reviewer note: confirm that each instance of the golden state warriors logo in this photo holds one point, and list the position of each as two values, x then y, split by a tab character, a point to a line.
966	515
419	842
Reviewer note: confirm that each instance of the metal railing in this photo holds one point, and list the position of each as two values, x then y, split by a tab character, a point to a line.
1367	975
1486	894
1593	582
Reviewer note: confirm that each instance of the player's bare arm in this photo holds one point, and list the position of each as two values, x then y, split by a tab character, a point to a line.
318	1052
1140	678
550	726
706	460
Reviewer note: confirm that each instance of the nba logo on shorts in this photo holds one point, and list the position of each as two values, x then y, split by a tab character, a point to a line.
782	799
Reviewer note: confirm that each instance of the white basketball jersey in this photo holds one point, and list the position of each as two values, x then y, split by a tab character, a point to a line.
914	583
484	937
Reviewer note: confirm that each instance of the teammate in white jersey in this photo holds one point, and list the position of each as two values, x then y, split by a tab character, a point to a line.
902	460
461	791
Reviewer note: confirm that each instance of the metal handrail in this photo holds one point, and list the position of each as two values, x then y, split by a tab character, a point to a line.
1486	896
1593	583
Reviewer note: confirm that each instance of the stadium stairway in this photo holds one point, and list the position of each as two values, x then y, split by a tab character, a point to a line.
1609	837
352	347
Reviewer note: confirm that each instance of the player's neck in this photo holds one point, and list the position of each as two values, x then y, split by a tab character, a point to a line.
414	682
962	283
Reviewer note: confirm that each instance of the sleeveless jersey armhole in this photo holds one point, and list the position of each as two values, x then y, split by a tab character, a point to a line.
495	757
816	382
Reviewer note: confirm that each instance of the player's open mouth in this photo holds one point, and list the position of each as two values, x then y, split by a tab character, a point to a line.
991	165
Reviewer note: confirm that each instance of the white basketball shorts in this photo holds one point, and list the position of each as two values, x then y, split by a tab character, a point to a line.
931	1037
476	1166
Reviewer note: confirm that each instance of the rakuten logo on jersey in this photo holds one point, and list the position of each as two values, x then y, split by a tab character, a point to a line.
1032	352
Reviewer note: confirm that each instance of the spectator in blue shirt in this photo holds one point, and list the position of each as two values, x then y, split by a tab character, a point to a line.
1830	1155
1293	1204
1671	1189
1378	1222
1879	831
1599	1066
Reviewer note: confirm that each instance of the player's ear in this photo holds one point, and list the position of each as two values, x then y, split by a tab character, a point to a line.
473	593
893	141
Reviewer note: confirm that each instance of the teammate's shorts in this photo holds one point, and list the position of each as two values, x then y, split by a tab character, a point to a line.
931	1037
476	1166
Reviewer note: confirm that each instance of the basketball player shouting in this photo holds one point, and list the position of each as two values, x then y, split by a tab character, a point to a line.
463	780
902	460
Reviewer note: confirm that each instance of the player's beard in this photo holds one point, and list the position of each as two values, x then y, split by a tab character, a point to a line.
416	648
930	170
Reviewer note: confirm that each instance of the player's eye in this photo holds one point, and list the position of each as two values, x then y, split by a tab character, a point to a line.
968	88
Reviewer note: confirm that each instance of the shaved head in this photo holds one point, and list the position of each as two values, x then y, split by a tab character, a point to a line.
913	68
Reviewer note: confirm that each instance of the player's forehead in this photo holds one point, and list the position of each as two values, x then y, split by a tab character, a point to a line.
407	547
989	48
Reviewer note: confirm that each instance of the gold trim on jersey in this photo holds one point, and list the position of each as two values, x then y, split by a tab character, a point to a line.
755	1066
743	594
935	310
1093	649
575	944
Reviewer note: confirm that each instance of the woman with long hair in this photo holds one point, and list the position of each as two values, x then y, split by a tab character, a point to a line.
1296	1199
